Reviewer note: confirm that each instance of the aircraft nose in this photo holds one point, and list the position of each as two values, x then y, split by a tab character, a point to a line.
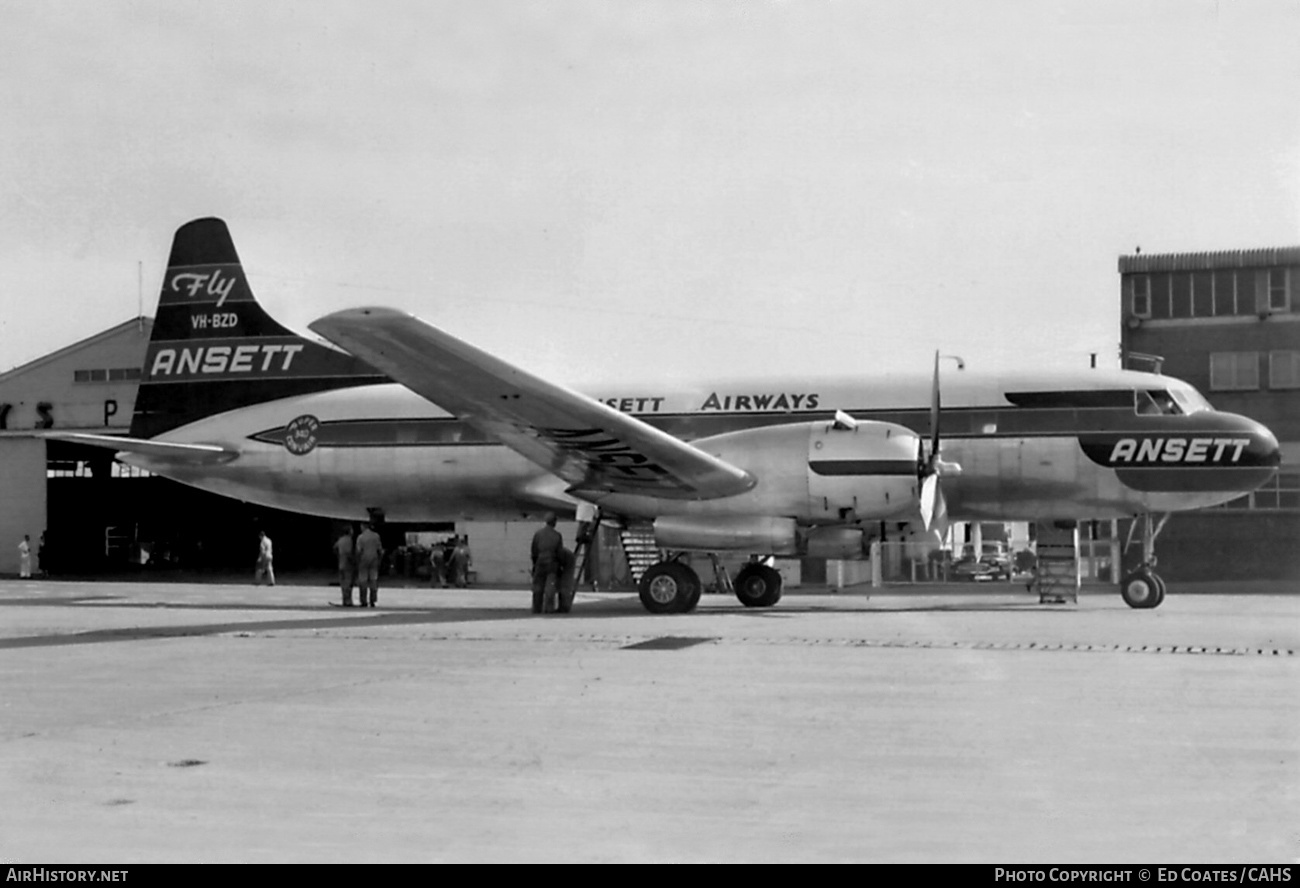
1263	450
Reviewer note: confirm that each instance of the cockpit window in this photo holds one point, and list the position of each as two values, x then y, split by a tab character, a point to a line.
1190	400
1155	402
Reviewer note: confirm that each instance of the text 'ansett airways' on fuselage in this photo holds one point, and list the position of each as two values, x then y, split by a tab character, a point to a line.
715	401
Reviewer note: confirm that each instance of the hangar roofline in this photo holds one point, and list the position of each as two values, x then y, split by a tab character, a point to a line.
1259	258
144	322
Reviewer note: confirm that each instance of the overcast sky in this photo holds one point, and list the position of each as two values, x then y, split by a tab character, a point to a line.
630	189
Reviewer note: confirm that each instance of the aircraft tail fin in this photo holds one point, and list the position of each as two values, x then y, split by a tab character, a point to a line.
214	348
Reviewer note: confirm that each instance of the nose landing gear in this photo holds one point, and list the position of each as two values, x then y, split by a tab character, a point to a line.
1144	588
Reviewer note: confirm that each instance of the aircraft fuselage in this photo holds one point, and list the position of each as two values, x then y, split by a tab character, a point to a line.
1080	445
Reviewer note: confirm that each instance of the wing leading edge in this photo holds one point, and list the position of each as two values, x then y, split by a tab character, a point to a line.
593	447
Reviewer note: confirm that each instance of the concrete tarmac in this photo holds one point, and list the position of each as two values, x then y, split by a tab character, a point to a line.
195	723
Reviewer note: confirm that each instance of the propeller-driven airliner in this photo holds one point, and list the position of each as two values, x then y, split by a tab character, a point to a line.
399	415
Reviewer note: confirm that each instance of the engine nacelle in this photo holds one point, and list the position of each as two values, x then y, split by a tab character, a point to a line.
808	473
823	472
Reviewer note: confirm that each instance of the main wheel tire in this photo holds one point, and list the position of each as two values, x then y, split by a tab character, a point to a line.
667	587
758	585
1160	589
1141	589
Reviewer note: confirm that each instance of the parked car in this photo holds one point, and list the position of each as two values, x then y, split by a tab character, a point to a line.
993	563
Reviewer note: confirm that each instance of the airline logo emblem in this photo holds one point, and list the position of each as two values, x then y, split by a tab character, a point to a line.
300	435
1161	451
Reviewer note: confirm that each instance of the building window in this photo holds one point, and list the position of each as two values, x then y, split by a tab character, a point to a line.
1282	494
1180	296
1279	298
1284	369
1225	293
1141	304
1234	371
117	374
1202	295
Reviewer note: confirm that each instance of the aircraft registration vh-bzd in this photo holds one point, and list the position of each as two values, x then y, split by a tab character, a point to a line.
408	419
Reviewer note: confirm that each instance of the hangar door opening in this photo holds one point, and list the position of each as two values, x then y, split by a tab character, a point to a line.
105	517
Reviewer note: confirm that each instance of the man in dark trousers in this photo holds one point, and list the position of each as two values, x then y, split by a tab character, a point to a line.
346	549
370	551
460	562
547	544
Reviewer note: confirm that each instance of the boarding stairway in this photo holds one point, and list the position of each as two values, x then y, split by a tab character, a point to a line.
639	548
637	540
1057	575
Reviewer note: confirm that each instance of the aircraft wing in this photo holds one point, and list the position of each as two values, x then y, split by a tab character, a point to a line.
169	451
590	445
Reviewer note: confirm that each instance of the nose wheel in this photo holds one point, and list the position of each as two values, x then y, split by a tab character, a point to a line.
1144	588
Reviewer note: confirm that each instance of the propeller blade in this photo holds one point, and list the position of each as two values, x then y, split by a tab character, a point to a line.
934	508
934	412
929	499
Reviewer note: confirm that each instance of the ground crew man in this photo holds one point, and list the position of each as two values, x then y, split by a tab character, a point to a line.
565	581
25	557
546	547
265	568
369	553
346	549
438	566
460	562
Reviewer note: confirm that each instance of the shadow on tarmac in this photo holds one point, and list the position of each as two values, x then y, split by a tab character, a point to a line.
342	618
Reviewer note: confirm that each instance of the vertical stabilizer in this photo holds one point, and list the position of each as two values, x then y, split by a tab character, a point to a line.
213	346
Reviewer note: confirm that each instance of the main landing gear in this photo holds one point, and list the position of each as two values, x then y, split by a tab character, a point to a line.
1144	588
673	587
670	587
758	585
